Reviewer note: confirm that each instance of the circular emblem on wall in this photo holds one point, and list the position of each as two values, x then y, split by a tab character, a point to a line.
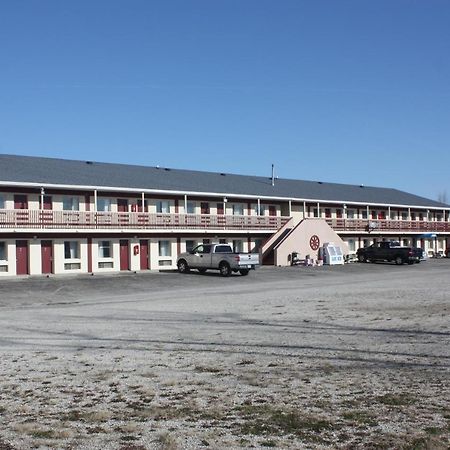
314	242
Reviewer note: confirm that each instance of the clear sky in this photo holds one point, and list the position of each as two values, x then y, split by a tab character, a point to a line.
351	91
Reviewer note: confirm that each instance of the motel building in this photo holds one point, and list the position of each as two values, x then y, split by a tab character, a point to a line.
67	217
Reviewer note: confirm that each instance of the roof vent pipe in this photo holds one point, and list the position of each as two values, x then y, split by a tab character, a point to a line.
273	175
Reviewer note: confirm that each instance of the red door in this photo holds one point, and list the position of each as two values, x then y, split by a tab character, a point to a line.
124	255
47	256
22	257
144	254
20	201
122	205
48	204
272	210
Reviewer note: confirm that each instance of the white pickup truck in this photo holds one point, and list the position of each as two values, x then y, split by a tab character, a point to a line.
217	257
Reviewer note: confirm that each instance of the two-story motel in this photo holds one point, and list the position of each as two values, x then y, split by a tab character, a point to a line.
61	216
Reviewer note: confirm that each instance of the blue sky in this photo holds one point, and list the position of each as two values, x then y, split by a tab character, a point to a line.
351	91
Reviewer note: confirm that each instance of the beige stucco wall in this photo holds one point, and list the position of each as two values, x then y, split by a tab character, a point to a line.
298	241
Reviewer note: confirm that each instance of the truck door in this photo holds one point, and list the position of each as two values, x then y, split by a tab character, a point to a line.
202	256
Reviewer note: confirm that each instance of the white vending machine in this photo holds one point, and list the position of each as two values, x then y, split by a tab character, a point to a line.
332	254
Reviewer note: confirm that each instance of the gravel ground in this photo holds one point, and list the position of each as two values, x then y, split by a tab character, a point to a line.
335	357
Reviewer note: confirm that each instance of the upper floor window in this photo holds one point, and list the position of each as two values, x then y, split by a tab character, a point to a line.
351	245
404	215
438	217
261	211
327	213
237	246
2	202
316	212
190	208
204	208
163	207
71	204
364	214
413	216
238	209
350	213
338	213
103	204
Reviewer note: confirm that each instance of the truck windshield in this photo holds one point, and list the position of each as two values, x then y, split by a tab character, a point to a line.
205	248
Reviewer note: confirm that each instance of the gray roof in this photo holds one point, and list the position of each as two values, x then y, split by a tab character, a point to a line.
52	171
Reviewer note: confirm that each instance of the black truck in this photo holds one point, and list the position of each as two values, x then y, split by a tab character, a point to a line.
389	251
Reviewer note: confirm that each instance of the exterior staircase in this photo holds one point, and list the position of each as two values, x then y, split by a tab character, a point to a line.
267	250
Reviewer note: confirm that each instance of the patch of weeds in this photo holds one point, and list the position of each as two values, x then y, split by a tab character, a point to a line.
166	441
71	416
245	362
128	438
204	369
42	434
360	418
425	443
264	420
395	399
2	409
269	443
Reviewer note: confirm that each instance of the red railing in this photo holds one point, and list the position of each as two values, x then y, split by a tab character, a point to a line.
62	220
420	226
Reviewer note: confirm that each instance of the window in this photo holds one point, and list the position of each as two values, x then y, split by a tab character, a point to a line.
2	202
237	246
71	204
190	208
238	209
393	215
165	249
261	211
3	251
163	207
222	241
351	245
364	214
204	208
103	204
328	213
439	217
71	250
350	213
258	245
404	215
203	248
104	249
413	216
316	212
338	213
223	249
190	245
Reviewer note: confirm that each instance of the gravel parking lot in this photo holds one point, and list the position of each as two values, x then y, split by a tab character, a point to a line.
356	356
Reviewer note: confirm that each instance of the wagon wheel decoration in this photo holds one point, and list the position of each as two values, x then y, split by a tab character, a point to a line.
314	242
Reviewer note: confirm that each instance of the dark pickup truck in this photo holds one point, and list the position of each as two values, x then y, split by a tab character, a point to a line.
389	251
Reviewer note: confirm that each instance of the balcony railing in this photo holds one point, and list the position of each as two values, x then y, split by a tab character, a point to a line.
419	226
63	220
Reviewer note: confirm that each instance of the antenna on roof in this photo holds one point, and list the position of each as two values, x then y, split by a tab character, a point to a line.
273	175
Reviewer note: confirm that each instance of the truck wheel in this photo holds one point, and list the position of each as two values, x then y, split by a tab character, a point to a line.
225	269
244	272
398	260
202	271
183	266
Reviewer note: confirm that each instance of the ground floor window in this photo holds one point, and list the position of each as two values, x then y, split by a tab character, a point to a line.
165	253
190	245
104	249
238	246
351	245
72	255
3	257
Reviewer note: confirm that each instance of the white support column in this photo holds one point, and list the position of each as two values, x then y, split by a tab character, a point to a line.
389	213
290	208
95	200
409	214
368	216
318	209
259	207
42	198
143	202
185	204
304	210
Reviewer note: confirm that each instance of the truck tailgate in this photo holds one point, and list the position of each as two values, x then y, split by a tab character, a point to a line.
248	260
